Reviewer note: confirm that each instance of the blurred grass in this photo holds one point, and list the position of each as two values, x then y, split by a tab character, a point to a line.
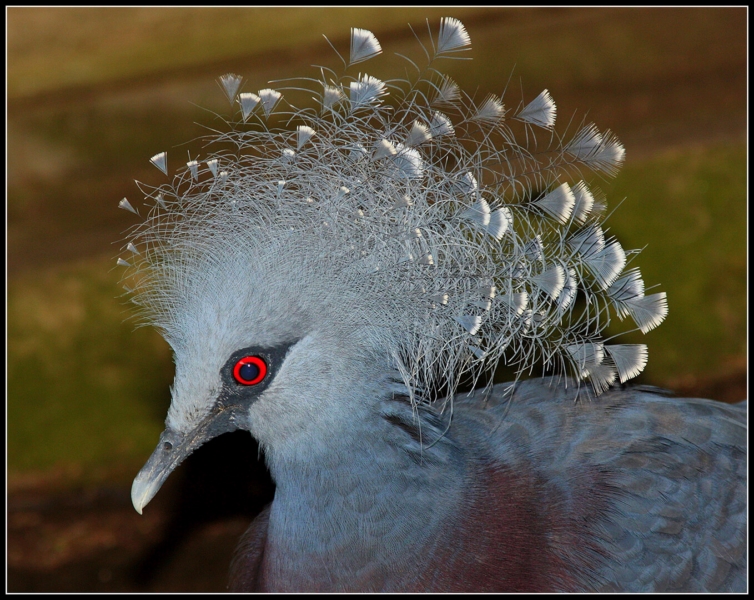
689	207
112	44
94	92
85	389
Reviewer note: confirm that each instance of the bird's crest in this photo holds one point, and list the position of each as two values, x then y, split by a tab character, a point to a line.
449	234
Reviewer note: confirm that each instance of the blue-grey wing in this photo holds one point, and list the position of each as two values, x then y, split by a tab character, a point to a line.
667	511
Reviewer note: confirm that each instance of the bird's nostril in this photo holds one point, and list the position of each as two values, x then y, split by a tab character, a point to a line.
167	446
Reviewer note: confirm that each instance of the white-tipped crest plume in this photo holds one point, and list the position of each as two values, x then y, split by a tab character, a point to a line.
406	216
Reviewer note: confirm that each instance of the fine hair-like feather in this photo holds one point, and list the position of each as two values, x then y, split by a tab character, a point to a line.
445	235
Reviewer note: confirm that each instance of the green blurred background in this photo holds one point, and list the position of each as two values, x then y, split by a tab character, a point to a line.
93	93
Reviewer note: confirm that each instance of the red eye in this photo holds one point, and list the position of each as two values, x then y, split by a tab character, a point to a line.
250	370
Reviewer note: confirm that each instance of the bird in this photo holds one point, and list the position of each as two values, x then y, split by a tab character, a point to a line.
332	276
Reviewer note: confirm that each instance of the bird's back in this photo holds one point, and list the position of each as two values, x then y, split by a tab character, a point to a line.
633	491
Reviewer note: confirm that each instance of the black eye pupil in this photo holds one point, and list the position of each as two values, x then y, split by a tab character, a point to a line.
249	371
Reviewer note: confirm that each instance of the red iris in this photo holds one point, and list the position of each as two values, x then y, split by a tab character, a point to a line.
250	370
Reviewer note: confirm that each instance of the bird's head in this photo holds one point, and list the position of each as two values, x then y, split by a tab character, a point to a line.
374	248
270	345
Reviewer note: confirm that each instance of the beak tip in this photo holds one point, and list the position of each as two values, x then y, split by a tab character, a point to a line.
140	495
138	506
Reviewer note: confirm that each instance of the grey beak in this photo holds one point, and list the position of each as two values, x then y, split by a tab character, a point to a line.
173	448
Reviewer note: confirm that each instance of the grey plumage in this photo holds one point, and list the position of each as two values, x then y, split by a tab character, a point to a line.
326	285
636	492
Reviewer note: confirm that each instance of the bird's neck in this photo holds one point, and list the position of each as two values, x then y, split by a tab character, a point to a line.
349	517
